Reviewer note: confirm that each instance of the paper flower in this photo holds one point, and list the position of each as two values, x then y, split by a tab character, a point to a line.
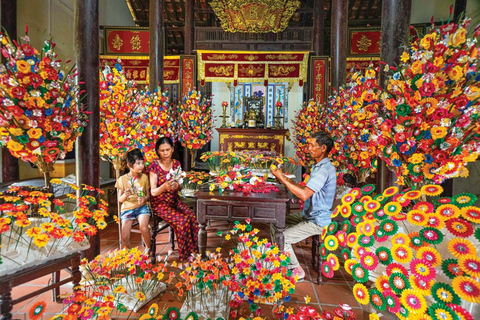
428	128
195	123
40	111
305	123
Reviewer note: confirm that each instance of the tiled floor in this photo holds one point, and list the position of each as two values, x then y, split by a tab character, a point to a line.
325	297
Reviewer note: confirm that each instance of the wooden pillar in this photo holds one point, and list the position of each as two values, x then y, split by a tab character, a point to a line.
156	44
88	61
460	7
189	26
189	46
10	170
318	26
395	33
339	42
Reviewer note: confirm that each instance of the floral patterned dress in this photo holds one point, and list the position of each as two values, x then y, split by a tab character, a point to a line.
177	214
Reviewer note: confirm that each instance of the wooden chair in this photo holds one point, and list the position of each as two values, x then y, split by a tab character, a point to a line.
157	225
316	257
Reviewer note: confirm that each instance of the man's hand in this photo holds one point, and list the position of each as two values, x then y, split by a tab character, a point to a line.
276	172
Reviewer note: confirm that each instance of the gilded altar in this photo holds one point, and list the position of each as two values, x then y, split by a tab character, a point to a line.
252	139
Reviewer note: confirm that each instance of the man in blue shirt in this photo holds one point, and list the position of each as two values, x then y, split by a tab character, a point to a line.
318	196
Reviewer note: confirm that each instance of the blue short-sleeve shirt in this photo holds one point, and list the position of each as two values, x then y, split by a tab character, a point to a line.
323	181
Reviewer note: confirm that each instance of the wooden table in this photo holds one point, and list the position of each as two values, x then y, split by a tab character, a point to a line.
7	282
231	206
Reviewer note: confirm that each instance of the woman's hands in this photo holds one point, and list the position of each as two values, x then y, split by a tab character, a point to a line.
170	185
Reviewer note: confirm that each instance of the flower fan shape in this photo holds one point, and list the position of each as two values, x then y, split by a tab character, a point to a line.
40	110
429	127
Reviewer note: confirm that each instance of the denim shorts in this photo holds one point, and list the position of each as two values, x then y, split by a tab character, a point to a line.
132	214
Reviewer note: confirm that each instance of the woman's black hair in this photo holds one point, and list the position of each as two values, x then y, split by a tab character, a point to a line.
160	141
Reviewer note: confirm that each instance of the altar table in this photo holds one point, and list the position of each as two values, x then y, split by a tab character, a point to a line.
232	206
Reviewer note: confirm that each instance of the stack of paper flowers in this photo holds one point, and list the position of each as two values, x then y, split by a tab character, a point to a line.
350	119
306	122
419	248
429	128
40	110
195	121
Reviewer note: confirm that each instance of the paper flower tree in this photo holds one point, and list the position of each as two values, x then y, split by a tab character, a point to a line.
156	120
429	129
195	121
40	110
120	106
350	118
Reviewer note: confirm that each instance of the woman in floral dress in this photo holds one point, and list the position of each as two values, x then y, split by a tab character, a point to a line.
166	202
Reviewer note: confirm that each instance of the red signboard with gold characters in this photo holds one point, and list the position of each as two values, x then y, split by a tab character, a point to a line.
188	74
127	41
136	67
319	78
252	66
366	41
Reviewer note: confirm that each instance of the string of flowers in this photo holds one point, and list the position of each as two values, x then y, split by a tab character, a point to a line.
40	110
429	129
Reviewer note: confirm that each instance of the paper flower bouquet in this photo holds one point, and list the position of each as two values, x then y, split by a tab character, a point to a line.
195	121
120	106
30	231
40	110
429	129
306	122
350	118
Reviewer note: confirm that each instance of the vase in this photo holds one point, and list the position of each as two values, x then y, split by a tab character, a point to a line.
208	304
130	301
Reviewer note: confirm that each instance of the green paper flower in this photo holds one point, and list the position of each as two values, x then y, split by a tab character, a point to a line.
431	235
332	227
389	226
444	293
366	241
463	200
398	282
358	209
359	273
368	188
439	311
403	110
346	226
450	267
384	255
377	300
477	234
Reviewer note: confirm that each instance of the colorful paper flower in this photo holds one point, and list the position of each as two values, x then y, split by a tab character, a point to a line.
377	300
384	256
459	227
431	235
422	270
393	303
401	253
444	293
359	273
361	294
430	255
439	311
470	264
413	301
460	247
451	268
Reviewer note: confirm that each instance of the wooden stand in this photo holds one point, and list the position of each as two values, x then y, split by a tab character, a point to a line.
252	139
9	281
